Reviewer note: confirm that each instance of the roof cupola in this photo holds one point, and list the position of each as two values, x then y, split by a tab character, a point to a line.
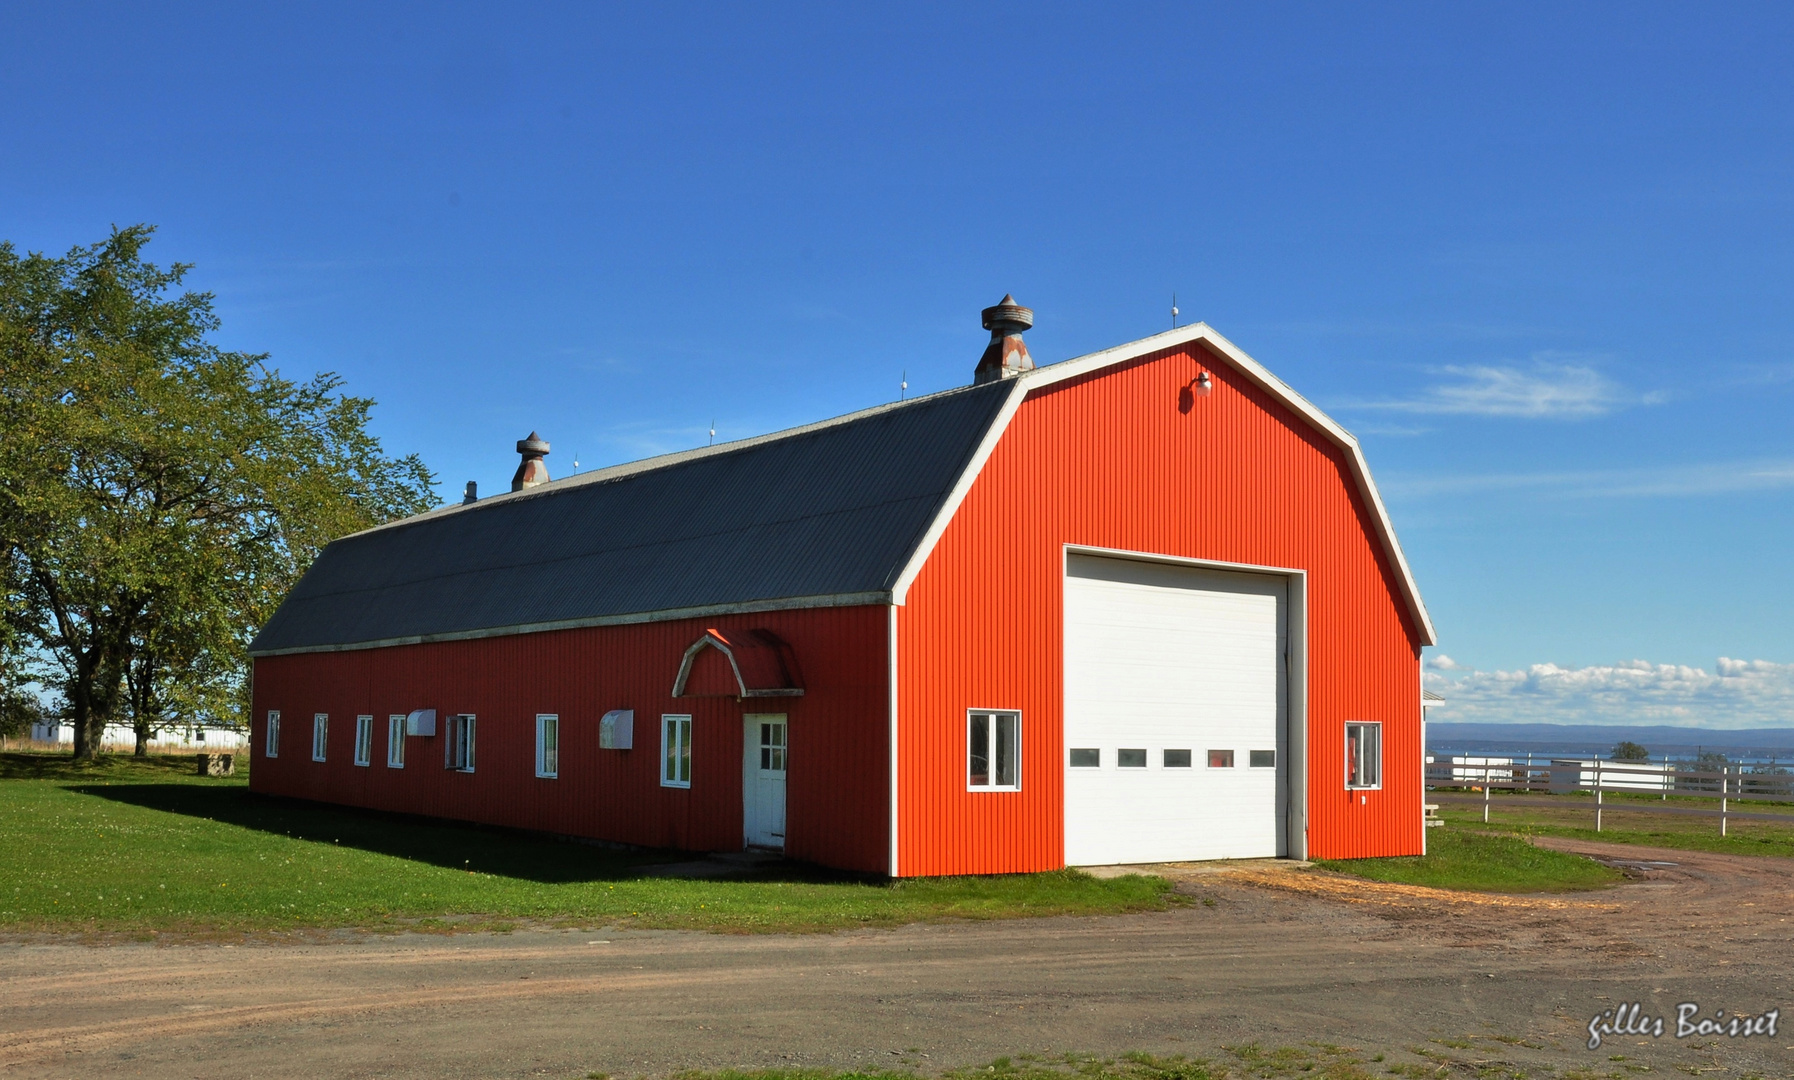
532	470
1007	355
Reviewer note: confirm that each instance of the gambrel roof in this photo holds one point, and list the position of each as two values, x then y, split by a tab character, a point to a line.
836	513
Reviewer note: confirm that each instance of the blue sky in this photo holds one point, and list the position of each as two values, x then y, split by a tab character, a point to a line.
1537	258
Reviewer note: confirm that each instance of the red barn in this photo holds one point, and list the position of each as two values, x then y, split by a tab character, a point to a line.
1143	605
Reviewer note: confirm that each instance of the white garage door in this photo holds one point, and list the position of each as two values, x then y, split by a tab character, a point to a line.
1175	705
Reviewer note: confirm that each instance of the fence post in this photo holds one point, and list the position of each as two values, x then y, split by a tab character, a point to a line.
1725	790
1666	778
1485	791
1597	794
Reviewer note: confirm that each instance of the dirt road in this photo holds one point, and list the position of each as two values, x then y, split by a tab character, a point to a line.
1279	957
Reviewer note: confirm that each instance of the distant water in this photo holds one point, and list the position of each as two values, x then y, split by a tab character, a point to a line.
1542	741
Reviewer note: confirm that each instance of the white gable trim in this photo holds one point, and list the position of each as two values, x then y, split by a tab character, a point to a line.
1041	378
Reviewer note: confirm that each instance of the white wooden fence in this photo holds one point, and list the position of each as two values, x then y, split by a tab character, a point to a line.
1730	786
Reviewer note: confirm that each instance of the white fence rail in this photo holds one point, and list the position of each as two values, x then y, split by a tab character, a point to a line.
1728	785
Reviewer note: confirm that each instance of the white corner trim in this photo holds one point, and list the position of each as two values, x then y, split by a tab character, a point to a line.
1255	372
892	676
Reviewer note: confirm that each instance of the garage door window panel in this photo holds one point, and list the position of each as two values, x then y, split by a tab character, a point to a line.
993	751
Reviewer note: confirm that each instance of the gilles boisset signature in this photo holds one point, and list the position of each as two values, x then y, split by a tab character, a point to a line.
1631	1020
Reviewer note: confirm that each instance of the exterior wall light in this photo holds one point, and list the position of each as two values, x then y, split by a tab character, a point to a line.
1186	394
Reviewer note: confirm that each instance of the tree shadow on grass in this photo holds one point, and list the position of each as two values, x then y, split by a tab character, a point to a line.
60	765
512	853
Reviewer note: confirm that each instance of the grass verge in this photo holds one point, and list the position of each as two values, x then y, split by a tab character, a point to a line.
146	847
1458	858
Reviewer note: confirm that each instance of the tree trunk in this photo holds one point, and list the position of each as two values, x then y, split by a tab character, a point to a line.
81	701
143	738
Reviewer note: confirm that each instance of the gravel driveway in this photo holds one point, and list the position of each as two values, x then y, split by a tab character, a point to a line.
1270	954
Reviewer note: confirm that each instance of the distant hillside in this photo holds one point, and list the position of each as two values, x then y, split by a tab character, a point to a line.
1588	739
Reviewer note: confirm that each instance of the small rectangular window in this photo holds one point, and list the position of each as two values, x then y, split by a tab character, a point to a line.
548	745
1263	759
273	747
320	735
1130	759
460	743
395	741
1177	759
364	740
1220	759
1086	758
675	751
994	751
1364	755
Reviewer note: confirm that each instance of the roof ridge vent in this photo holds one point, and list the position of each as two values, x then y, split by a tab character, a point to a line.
1007	355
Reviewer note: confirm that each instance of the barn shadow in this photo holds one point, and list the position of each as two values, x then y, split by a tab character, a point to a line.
512	853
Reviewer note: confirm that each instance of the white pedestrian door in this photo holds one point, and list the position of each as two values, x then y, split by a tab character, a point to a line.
1176	736
763	780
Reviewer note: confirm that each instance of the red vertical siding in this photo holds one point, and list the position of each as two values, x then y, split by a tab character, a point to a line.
837	785
1112	461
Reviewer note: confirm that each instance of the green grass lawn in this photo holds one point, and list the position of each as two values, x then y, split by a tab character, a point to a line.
1574	816
139	847
1459	858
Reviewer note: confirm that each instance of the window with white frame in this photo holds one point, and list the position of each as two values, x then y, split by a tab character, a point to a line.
320	735
548	745
460	743
675	751
364	740
272	749
993	751
1364	755
395	741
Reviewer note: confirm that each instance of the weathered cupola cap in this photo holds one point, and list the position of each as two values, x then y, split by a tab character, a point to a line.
532	470
1008	311
1007	355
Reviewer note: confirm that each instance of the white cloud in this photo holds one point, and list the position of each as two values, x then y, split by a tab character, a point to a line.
1737	693
1441	662
1545	390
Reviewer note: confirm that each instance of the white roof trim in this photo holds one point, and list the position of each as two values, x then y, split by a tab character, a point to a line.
1255	372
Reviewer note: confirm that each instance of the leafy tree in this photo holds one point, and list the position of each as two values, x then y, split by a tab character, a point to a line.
19	709
158	494
1626	750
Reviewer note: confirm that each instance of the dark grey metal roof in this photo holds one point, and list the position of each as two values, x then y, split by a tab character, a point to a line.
826	514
